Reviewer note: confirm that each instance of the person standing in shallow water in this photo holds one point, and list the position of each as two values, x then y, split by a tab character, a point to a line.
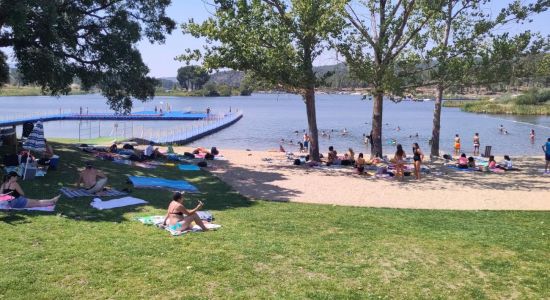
476	144
457	144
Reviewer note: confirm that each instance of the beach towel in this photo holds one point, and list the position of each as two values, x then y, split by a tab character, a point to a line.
73	193
120	202
154	182
459	169
156	220
144	165
188	168
196	228
50	208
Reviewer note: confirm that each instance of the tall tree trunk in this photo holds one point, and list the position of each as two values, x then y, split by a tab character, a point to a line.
436	130
309	99
376	147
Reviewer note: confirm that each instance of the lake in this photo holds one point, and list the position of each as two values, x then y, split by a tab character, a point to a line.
268	118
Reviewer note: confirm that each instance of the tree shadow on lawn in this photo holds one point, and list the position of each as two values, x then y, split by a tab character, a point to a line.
214	193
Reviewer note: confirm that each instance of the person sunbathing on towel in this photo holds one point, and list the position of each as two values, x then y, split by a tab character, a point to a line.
180	218
12	188
93	179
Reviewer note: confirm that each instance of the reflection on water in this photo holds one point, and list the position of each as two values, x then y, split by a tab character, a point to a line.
270	118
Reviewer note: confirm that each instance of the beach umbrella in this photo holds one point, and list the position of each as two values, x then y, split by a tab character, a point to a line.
35	142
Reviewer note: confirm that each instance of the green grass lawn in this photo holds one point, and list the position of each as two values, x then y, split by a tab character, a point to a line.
264	249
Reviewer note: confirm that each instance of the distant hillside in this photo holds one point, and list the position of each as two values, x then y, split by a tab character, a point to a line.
340	78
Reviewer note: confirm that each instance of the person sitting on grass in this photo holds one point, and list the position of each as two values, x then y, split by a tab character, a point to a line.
93	179
47	155
180	218
462	161
152	153
12	188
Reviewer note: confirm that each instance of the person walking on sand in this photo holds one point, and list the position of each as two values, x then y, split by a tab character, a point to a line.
93	179
12	188
306	141
418	157
476	144
546	148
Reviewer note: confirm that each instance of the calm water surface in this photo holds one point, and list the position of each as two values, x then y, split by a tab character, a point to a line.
268	118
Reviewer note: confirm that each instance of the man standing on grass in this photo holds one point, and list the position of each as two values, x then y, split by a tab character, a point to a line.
93	179
546	149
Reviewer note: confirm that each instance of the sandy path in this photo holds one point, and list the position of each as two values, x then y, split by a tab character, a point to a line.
279	180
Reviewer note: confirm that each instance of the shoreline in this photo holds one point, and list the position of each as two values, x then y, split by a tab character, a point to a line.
271	176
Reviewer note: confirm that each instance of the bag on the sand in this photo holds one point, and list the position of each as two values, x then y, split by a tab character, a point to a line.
188	155
297	162
128	147
202	164
209	156
214	151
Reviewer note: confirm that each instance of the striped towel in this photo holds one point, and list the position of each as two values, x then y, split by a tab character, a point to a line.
74	193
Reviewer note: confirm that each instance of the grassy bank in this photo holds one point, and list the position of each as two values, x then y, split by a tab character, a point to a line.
264	250
531	103
9	90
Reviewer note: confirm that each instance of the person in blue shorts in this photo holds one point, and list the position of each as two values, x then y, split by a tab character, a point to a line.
546	148
12	188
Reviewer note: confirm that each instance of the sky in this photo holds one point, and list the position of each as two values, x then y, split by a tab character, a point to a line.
161	58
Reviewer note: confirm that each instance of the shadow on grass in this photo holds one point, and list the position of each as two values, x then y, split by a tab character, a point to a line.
213	192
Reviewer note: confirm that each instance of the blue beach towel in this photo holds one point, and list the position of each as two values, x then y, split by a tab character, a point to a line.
189	167
154	182
459	169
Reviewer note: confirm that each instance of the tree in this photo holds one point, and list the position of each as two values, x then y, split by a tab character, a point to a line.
192	77
459	32
277	40
94	40
373	46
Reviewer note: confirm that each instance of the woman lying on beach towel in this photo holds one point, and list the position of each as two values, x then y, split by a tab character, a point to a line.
179	218
12	188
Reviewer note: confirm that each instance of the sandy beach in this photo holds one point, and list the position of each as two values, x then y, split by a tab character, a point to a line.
271	176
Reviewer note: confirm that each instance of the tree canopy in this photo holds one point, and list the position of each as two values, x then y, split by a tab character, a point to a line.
277	40
192	77
93	40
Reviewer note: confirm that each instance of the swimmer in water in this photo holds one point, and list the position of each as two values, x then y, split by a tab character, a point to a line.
532	135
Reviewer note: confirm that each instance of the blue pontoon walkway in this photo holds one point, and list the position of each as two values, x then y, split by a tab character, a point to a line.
137	116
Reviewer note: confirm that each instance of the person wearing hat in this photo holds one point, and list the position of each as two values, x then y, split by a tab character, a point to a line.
93	179
151	152
12	188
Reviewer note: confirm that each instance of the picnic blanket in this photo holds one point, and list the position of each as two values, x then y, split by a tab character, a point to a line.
120	202
73	193
188	168
154	182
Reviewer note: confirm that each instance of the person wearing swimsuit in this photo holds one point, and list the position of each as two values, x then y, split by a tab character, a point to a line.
457	144
179	218
418	156
399	161
476	143
12	188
